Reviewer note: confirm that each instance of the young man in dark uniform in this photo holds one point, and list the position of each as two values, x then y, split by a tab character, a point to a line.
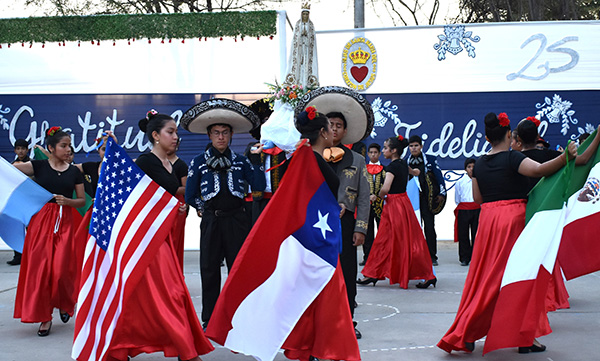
353	196
427	164
376	177
216	186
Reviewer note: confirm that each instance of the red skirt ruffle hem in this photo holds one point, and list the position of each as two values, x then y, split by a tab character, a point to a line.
399	251
159	315
500	224
323	331
48	271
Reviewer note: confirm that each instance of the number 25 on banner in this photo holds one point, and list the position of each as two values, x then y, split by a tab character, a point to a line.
554	48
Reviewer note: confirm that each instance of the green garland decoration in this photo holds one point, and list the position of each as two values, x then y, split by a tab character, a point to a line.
150	26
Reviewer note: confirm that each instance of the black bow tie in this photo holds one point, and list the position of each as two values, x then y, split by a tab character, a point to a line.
415	160
218	162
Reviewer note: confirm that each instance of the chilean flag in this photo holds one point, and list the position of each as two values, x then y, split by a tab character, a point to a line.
287	265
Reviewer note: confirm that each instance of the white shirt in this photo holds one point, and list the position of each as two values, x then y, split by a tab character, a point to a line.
463	190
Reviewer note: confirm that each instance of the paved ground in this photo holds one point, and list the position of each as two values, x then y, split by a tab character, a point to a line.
396	324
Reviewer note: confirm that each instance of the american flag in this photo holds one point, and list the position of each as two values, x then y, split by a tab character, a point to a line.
131	218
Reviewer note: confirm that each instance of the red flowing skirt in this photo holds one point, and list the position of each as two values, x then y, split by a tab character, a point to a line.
323	331
178	232
399	251
79	242
159	315
500	224
48	271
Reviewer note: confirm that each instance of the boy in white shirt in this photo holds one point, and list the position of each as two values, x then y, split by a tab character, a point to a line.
467	214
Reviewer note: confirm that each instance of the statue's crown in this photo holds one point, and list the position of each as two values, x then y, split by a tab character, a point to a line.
359	56
306	6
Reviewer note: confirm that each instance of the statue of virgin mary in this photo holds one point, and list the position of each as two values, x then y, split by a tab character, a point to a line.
302	63
279	129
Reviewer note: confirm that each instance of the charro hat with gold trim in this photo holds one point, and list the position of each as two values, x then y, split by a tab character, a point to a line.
219	111
356	109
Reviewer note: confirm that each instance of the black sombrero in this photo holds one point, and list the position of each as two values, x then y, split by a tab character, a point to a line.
356	109
219	111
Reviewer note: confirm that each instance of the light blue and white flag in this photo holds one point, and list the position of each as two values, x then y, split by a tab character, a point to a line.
20	199
413	189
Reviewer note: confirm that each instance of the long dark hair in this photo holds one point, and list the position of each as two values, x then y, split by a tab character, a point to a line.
154	122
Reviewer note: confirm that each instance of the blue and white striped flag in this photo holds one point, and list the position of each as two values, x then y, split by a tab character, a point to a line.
20	199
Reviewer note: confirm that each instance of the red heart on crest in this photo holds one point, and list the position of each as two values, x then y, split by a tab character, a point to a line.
359	73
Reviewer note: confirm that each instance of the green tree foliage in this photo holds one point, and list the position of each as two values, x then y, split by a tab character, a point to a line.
96	7
479	11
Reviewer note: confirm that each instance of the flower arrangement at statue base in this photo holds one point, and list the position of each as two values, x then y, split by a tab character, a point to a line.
287	93
280	129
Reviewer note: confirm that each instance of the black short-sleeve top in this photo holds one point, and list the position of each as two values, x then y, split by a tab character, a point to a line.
498	176
540	156
153	167
180	169
56	182
90	177
399	169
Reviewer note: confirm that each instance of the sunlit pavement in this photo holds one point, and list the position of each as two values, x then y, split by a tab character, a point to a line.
396	324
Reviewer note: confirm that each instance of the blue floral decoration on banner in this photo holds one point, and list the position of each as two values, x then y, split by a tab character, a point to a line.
3	121
453	40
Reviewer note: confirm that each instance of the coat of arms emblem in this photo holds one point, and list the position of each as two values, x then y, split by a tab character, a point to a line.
453	40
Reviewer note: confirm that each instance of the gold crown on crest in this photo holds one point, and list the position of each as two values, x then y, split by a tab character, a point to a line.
306	6
359	56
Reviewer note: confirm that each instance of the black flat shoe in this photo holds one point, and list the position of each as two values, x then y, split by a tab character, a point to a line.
367	280
532	348
14	262
44	333
470	346
427	283
356	331
64	317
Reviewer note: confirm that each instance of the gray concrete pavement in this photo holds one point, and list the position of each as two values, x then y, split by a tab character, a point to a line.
396	324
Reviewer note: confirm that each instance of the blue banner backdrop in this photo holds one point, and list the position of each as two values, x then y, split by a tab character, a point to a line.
451	124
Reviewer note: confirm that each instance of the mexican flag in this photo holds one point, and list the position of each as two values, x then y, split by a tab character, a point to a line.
558	224
579	246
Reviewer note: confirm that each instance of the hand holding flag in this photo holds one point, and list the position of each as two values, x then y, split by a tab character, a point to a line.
131	218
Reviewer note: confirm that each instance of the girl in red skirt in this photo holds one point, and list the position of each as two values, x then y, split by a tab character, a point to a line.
47	275
399	251
500	185
159	315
